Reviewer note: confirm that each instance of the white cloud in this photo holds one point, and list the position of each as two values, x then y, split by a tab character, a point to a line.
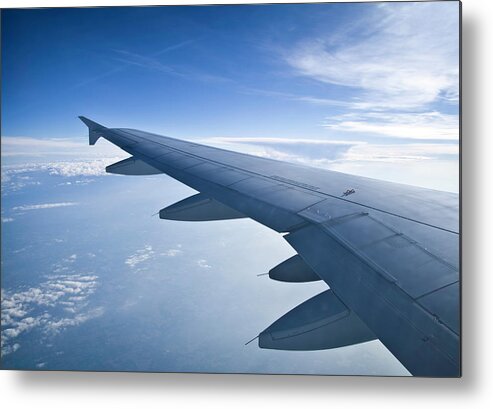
291	141
89	167
421	163
202	263
8	349
434	174
400	153
295	97
18	146
324	153
7	219
30	142
13	180
404	56
398	62
172	253
140	256
20	176
43	206
290	150
77	319
427	125
41	306
95	167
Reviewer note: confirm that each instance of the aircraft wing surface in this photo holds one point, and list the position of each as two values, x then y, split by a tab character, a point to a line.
388	252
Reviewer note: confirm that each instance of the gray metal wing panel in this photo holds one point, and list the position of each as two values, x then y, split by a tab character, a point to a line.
218	174
414	269
158	150
149	149
180	160
293	199
119	138
419	266
443	244
278	218
253	186
412	333
444	304
275	193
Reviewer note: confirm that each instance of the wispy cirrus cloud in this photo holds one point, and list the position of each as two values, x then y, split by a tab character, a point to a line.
398	153
400	63
324	153
295	97
291	150
143	61
58	143
43	206
154	63
407	56
427	125
421	163
134	59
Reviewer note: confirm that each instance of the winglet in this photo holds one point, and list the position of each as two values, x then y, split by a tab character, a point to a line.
94	129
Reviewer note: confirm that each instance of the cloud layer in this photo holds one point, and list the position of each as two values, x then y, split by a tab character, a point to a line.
425	163
43	206
140	256
18	146
427	125
59	302
324	153
20	176
399	61
405	56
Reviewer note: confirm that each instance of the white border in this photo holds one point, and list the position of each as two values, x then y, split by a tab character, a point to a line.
94	390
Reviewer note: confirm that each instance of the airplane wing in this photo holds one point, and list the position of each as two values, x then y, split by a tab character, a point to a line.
388	252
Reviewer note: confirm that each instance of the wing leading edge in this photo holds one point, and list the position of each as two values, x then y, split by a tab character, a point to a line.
389	252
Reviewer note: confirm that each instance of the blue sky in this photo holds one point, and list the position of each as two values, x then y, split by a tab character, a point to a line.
238	70
377	82
201	69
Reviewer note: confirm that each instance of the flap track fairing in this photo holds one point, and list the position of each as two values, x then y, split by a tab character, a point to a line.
132	166
293	270
322	322
199	208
